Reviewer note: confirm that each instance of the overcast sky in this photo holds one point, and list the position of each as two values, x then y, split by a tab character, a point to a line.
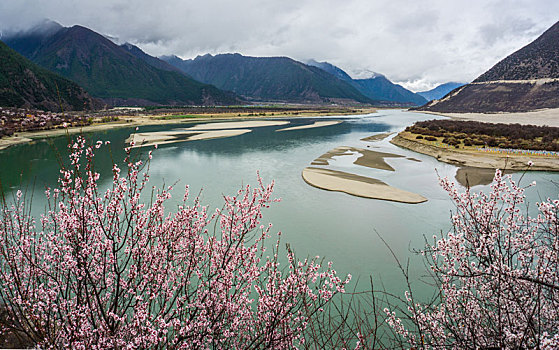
416	43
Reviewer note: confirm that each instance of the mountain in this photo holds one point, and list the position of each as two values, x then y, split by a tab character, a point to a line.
111	72
24	84
440	91
269	78
377	87
526	80
29	41
152	61
330	68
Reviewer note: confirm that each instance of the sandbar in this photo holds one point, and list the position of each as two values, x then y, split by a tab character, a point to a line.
314	125
378	137
470	177
238	125
357	185
180	135
477	159
370	159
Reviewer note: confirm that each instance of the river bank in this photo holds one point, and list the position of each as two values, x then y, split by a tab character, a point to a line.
476	159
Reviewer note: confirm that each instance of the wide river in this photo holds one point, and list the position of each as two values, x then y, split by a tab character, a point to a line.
340	227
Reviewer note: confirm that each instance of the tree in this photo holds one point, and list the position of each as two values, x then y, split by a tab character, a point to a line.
105	269
496	274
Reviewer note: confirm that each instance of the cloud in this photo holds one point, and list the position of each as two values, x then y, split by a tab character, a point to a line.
418	44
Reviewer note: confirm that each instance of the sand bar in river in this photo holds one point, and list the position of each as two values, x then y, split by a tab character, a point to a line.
310	126
378	137
357	185
238	125
370	159
180	135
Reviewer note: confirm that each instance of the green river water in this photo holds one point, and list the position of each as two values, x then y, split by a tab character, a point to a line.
337	226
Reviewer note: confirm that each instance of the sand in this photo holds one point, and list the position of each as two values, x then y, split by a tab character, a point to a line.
370	159
476	159
315	125
549	117
13	140
238	125
180	135
28	136
357	185
378	137
470	177
200	132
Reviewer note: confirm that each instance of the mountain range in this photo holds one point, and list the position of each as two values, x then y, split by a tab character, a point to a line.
24	84
526	80
269	78
112	72
126	75
377	87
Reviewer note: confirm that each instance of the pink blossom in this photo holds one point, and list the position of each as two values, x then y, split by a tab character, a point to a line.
106	269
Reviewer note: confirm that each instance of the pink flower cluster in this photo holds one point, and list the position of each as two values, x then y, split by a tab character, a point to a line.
497	275
106	269
20	119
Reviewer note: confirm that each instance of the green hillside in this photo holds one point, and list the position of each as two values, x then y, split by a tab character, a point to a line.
268	78
110	72
24	84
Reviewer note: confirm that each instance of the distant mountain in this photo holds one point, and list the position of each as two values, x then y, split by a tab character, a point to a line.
111	72
24	84
377	87
440	91
152	61
330	68
526	80
269	78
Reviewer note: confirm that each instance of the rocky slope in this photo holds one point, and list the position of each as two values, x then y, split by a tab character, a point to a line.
526	80
440	91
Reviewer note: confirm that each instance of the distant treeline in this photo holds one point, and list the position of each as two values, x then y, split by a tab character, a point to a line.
472	133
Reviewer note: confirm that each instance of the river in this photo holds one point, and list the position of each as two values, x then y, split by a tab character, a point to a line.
340	227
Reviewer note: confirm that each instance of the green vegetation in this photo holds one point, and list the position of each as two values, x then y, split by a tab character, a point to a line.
22	83
462	134
108	71
108	119
269	78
